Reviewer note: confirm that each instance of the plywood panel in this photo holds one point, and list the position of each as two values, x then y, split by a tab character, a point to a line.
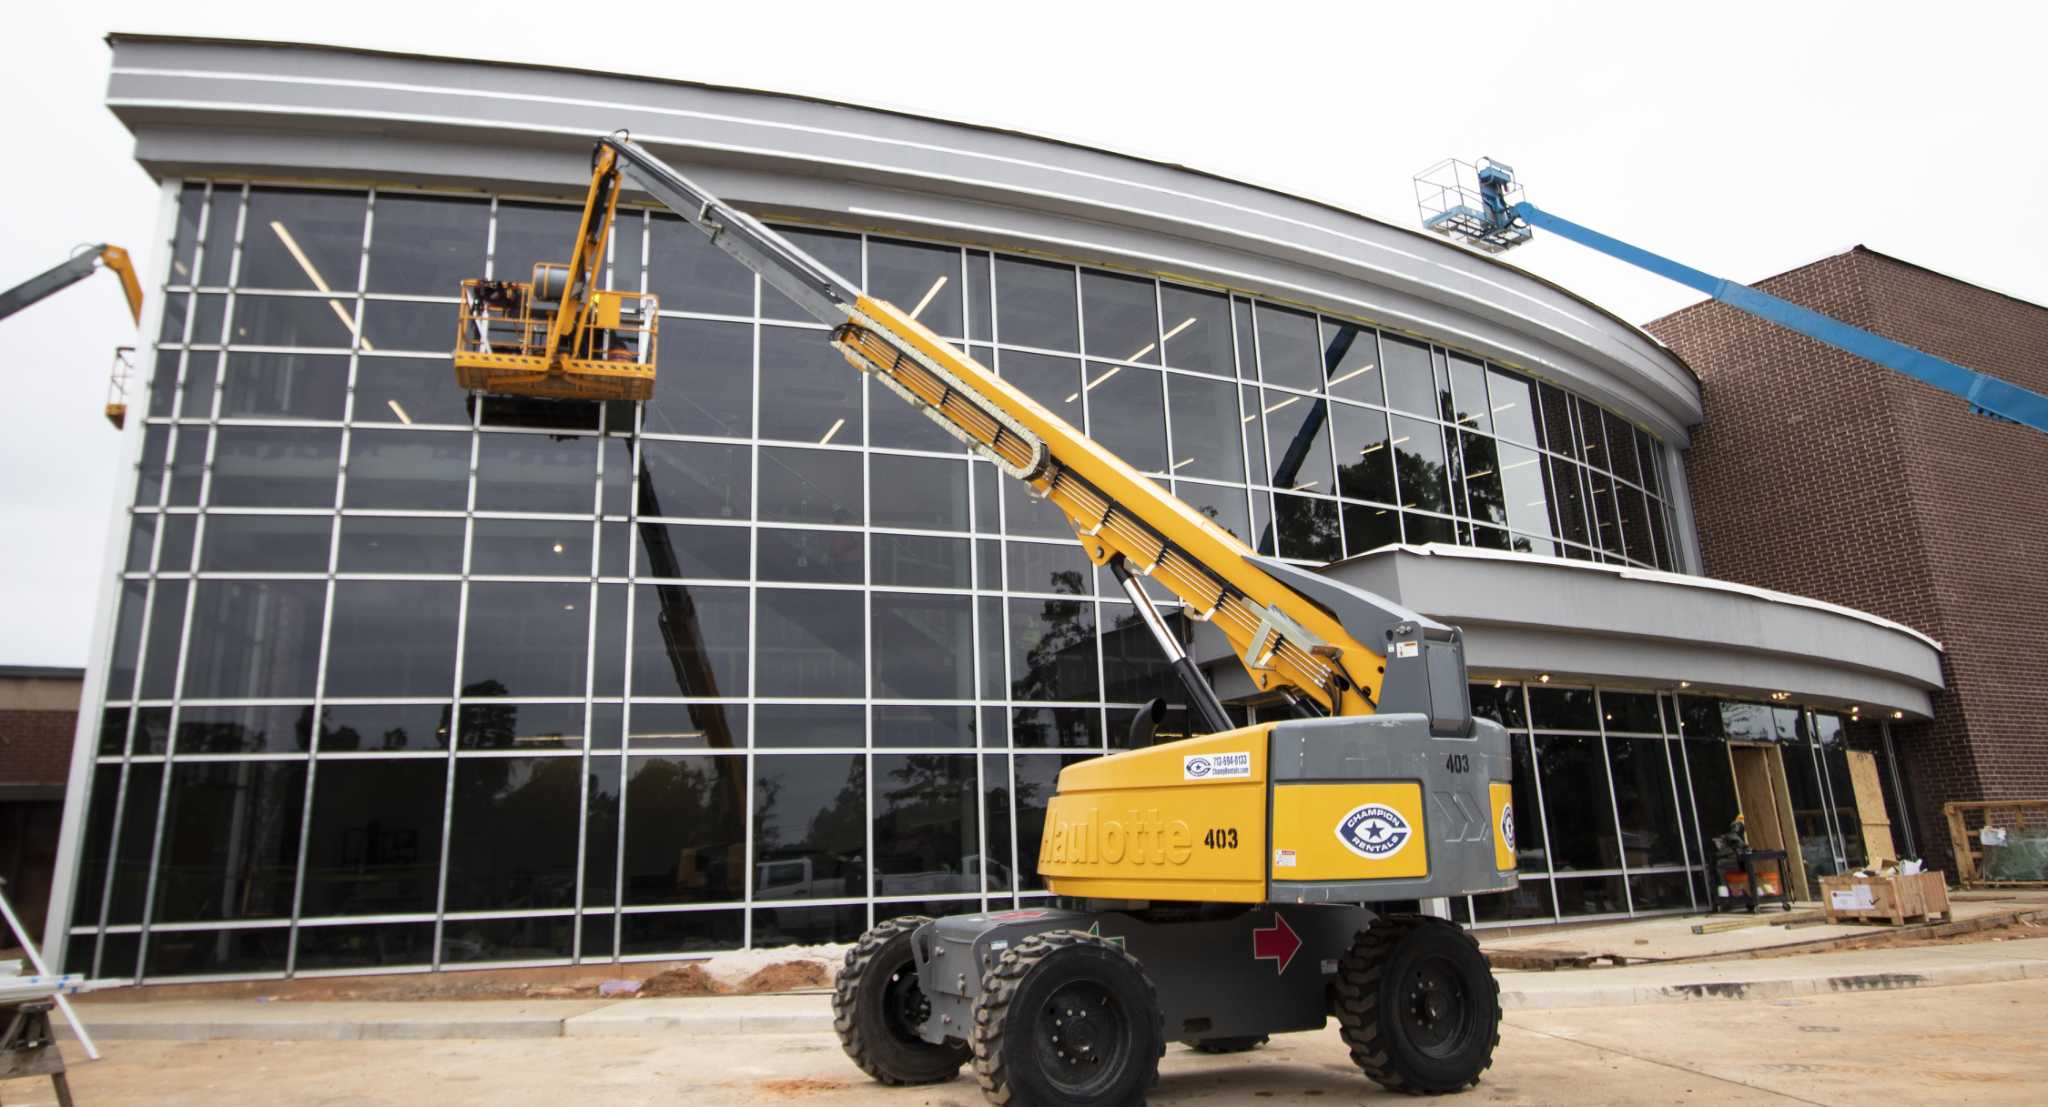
1870	810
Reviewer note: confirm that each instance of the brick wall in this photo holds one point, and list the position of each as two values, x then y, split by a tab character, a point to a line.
1824	475
35	746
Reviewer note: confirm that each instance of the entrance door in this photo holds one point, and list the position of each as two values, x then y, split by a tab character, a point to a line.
1767	804
1870	811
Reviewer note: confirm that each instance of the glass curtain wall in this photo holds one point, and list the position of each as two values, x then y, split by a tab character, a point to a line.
401	678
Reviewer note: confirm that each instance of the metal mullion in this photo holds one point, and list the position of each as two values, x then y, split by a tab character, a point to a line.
1008	754
753	580
589	690
626	694
1680	804
867	637
1693	800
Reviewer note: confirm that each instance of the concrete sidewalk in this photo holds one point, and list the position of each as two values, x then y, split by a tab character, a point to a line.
810	1013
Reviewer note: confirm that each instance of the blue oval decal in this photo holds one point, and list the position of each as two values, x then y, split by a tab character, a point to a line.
1374	831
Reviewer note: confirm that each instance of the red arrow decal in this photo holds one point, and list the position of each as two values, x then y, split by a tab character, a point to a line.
1276	943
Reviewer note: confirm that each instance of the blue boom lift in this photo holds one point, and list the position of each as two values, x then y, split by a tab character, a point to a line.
1483	207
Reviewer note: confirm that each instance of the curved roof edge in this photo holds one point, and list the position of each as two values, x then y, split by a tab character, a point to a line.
173	90
1526	616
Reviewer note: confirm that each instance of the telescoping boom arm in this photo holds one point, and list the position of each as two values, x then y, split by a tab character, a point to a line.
1499	220
1287	626
72	270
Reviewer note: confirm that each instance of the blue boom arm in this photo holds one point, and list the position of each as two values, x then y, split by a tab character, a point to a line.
1986	394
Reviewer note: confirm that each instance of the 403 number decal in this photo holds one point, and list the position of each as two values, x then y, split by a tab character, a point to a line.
1457	762
1222	837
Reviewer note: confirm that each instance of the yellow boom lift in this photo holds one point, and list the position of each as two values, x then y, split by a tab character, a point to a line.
77	267
1213	890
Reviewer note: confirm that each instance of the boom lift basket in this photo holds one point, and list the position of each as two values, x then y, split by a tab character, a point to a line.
1453	205
501	342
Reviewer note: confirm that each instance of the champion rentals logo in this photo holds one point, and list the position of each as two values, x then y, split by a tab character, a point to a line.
1374	831
1507	826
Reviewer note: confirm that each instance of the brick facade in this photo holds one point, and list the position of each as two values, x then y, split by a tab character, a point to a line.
35	746
1824	475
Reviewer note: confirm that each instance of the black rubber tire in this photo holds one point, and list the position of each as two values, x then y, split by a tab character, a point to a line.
1019	1055
1242	1044
1381	982
868	1010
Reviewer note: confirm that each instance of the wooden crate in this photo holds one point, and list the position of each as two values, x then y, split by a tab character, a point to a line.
1966	823
1890	899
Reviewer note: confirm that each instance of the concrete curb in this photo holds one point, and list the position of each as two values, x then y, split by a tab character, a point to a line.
811	1014
1623	995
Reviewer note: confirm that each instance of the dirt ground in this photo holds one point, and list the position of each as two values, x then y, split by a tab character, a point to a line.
1976	1044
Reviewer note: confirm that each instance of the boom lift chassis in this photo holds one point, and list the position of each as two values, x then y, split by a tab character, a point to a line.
1212	890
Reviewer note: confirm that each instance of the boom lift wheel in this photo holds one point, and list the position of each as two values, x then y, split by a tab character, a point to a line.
1067	1019
877	1006
1418	1005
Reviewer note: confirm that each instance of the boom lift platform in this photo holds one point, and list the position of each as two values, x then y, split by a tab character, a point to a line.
1212	890
1482	206
80	265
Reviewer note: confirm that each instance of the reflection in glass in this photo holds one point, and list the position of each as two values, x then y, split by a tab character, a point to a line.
923	647
373	544
1419	464
1578	804
810	832
685	830
512	834
918	493
1052	650
707	375
1197	334
809	643
264	543
536	472
408	469
1290	353
809	486
1650	830
428	245
921	279
285	386
1127	415
689	640
1036	305
927	838
272	466
253	728
526	639
817	395
229	614
230	841
1351	360
374	844
1121	316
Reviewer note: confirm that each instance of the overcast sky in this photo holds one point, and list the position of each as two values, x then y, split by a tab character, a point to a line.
1741	138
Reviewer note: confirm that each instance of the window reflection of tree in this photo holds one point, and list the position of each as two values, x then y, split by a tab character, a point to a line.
928	812
518	815
685	843
1066	644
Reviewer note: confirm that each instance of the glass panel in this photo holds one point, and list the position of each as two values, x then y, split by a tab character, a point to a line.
919	561
810	826
1577	803
1206	439
231	841
1035	304
690	274
1563	708
810	725
1468	395
370	544
289	321
1055	382
529	233
1592	895
1522	484
1351	358
1047	567
400	325
1650	830
1308	528
131	848
1531	846
408	469
1365	467
924	726
707	375
687	726
1635	525
1513	407
1121	316
814	556
810	643
223	217
1127	414
1558	436
535	472
531	547
1420	464
683	931
927	836
267	543
1052	650
689	640
185	240
676	550
1035	780
1606	529
809	486
1368	528
512	837
922	280
526	639
919	493
694	480
1563	492
482	940
1134	670
1484	494
290	386
266	728
357	947
817	395
428	245
1290	352
383	728
782	926
1300	452
924	647
1411	382
403	390
393	638
1659	891
1634	712
229	621
1621	453
194	952
374	845
979	306
685	830
1222	506
1197	330
1529	900
273	467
